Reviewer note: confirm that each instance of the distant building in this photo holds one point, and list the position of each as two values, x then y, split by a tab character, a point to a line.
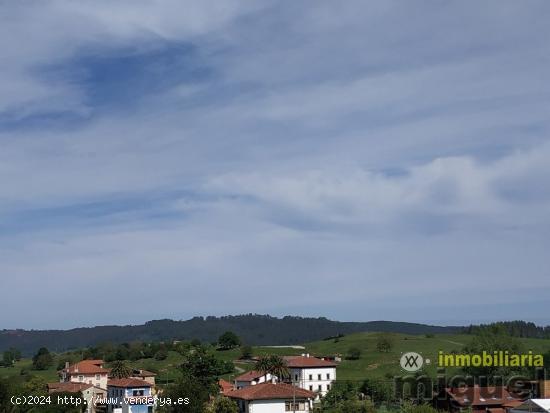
272	398
88	392
129	396
148	376
86	371
311	373
251	378
495	399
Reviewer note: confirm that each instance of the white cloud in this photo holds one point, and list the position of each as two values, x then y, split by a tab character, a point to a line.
347	152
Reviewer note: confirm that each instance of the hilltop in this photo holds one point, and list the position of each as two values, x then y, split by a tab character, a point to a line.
254	329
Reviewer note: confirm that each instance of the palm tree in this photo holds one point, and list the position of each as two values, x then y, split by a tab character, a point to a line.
279	368
120	370
274	365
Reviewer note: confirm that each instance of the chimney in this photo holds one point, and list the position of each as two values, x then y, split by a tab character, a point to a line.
67	365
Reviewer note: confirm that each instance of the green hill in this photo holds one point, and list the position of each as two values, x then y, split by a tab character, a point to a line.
371	364
254	329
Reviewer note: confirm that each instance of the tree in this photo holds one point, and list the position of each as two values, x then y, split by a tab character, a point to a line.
36	386
274	365
229	340
186	387
222	405
200	372
120	370
162	354
384	344
7	359
377	390
408	407
492	339
339	392
42	359
201	365
10	356
354	353
246	352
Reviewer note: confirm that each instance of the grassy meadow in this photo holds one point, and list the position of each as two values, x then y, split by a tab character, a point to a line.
371	364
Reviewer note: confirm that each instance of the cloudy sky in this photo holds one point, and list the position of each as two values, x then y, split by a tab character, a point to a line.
354	160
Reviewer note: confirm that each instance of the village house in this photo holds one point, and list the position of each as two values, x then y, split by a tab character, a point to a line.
86	371
141	374
478	399
87	391
129	396
251	378
311	373
270	397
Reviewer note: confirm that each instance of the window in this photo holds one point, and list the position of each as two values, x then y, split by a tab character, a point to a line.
138	392
295	377
328	387
98	376
295	407
310	387
319	377
328	376
320	387
80	378
311	377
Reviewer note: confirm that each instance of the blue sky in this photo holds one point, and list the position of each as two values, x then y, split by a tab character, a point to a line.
359	161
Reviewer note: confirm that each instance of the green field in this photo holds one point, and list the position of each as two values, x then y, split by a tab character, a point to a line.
375	364
372	363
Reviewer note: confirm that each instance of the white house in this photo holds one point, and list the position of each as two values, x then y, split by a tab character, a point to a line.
311	373
129	396
251	378
272	398
86	371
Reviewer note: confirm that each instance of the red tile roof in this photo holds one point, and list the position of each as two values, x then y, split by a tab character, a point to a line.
225	386
87	367
482	396
269	391
308	361
128	383
68	387
250	375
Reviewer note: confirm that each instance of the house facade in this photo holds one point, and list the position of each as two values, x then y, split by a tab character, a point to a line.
146	375
251	378
86	371
88	392
129	396
311	373
272	398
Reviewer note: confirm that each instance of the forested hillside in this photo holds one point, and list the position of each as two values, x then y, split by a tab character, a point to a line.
252	328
